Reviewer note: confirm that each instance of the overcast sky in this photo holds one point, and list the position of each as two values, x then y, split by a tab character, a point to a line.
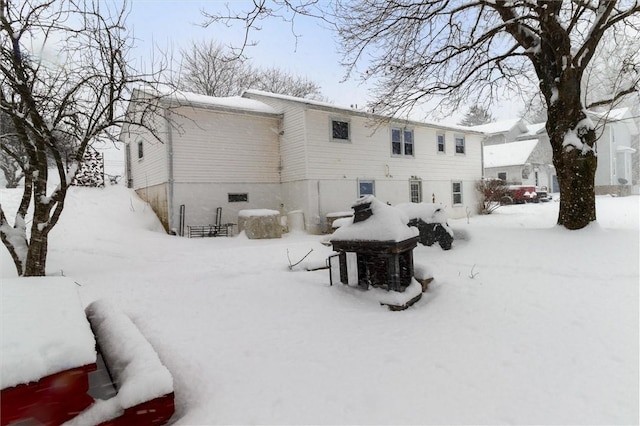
171	25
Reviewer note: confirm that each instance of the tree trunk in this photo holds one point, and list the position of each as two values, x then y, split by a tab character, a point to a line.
573	140
37	255
576	177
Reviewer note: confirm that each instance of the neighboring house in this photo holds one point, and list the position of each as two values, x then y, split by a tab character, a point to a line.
268	151
529	160
522	162
617	149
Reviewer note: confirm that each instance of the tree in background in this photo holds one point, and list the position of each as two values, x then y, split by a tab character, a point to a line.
13	156
210	69
486	50
58	104
475	116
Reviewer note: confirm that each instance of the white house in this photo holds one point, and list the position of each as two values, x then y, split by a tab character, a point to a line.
521	162
617	149
520	153
270	151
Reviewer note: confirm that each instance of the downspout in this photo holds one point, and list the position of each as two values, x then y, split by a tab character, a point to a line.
170	170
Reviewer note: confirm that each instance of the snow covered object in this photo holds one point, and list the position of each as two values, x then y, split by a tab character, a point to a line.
376	250
431	221
145	386
48	351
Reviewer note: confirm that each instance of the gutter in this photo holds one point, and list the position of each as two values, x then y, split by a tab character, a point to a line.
170	169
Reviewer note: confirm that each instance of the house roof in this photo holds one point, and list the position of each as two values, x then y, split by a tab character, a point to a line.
231	103
326	106
508	154
498	127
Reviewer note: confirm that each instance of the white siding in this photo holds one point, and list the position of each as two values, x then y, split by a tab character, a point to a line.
216	146
202	199
293	147
152	168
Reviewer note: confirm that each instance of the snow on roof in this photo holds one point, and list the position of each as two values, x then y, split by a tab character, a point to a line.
497	127
386	224
238	103
508	154
351	110
534	129
44	329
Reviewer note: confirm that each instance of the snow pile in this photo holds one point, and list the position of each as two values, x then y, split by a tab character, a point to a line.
133	364
386	224
44	329
427	212
550	317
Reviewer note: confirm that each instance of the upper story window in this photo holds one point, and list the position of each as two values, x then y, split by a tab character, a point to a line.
340	130
460	148
140	150
402	141
441	144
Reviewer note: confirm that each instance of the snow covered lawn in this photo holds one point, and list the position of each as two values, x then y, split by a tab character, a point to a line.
525	322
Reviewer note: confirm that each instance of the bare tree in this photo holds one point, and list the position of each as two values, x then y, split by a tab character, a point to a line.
453	51
58	104
475	116
211	69
12	154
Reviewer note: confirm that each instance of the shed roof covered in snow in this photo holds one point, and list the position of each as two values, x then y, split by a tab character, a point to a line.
508	154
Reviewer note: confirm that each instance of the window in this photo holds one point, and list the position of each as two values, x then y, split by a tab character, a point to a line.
415	190
401	141
502	176
459	144
340	130
140	150
366	187
238	198
456	190
408	142
440	142
396	142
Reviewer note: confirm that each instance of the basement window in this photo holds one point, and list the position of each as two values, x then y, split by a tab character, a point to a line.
238	197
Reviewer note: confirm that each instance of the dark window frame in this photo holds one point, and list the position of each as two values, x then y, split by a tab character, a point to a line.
402	142
441	143
460	148
238	197
338	129
456	196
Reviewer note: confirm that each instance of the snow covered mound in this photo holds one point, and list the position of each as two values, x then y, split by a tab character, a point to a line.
133	364
44	329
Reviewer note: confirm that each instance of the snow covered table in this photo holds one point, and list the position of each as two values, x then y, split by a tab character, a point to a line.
48	350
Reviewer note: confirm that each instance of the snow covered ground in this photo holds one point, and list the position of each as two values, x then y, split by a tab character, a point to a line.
525	322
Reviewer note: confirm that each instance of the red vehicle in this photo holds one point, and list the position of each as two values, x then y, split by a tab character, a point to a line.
520	194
